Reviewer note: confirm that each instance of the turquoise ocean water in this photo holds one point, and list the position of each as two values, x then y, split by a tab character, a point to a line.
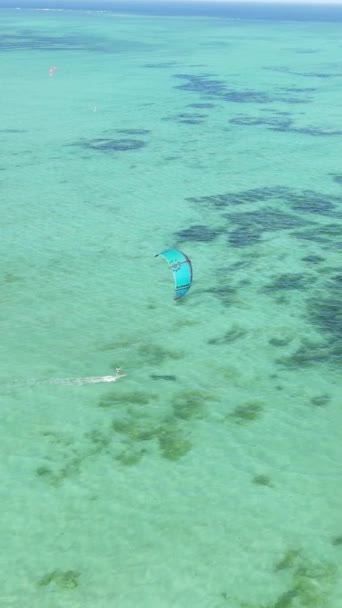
210	475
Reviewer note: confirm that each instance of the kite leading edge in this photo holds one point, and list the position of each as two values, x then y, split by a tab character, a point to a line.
181	269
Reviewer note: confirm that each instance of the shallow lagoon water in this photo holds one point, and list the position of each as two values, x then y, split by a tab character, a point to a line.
210	474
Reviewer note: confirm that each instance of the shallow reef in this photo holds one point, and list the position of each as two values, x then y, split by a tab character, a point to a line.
115	344
115	398
288	560
246	412
320	400
325	314
219	201
171	437
13	131
280	341
65	580
206	85
313	131
49	475
311	583
310	353
288	281
161	65
111	145
68	456
135	428
37	40
244	237
235	333
167	377
201	105
310	201
57	473
336	541
287	70
198	232
154	354
172	443
269	218
262	480
133	131
190	404
171	432
328	236
10	277
130	455
283	124
272	121
190	118
313	259
226	294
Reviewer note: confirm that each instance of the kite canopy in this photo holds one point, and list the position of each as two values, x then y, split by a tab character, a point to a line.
181	268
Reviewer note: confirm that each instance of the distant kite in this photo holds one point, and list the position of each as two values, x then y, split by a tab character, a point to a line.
52	70
181	268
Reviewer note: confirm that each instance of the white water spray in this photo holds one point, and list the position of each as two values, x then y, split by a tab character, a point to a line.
71	381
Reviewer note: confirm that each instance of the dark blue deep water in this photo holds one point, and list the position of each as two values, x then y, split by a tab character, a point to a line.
297	12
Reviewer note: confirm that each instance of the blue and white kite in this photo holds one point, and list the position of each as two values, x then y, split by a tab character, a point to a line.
181	268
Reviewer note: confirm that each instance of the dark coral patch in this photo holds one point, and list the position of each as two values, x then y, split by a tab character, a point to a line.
287	281
314	131
313	259
326	314
280	342
36	40
199	233
299	89
287	210
13	131
266	219
253	195
328	235
204	84
187	118
274	122
133	131
111	145
65	580
311	202
337	541
286	70
225	293
233	334
243	237
168	377
282	124
309	354
201	105
162	64
320	400
297	199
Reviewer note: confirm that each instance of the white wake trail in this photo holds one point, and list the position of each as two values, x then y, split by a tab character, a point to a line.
70	381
